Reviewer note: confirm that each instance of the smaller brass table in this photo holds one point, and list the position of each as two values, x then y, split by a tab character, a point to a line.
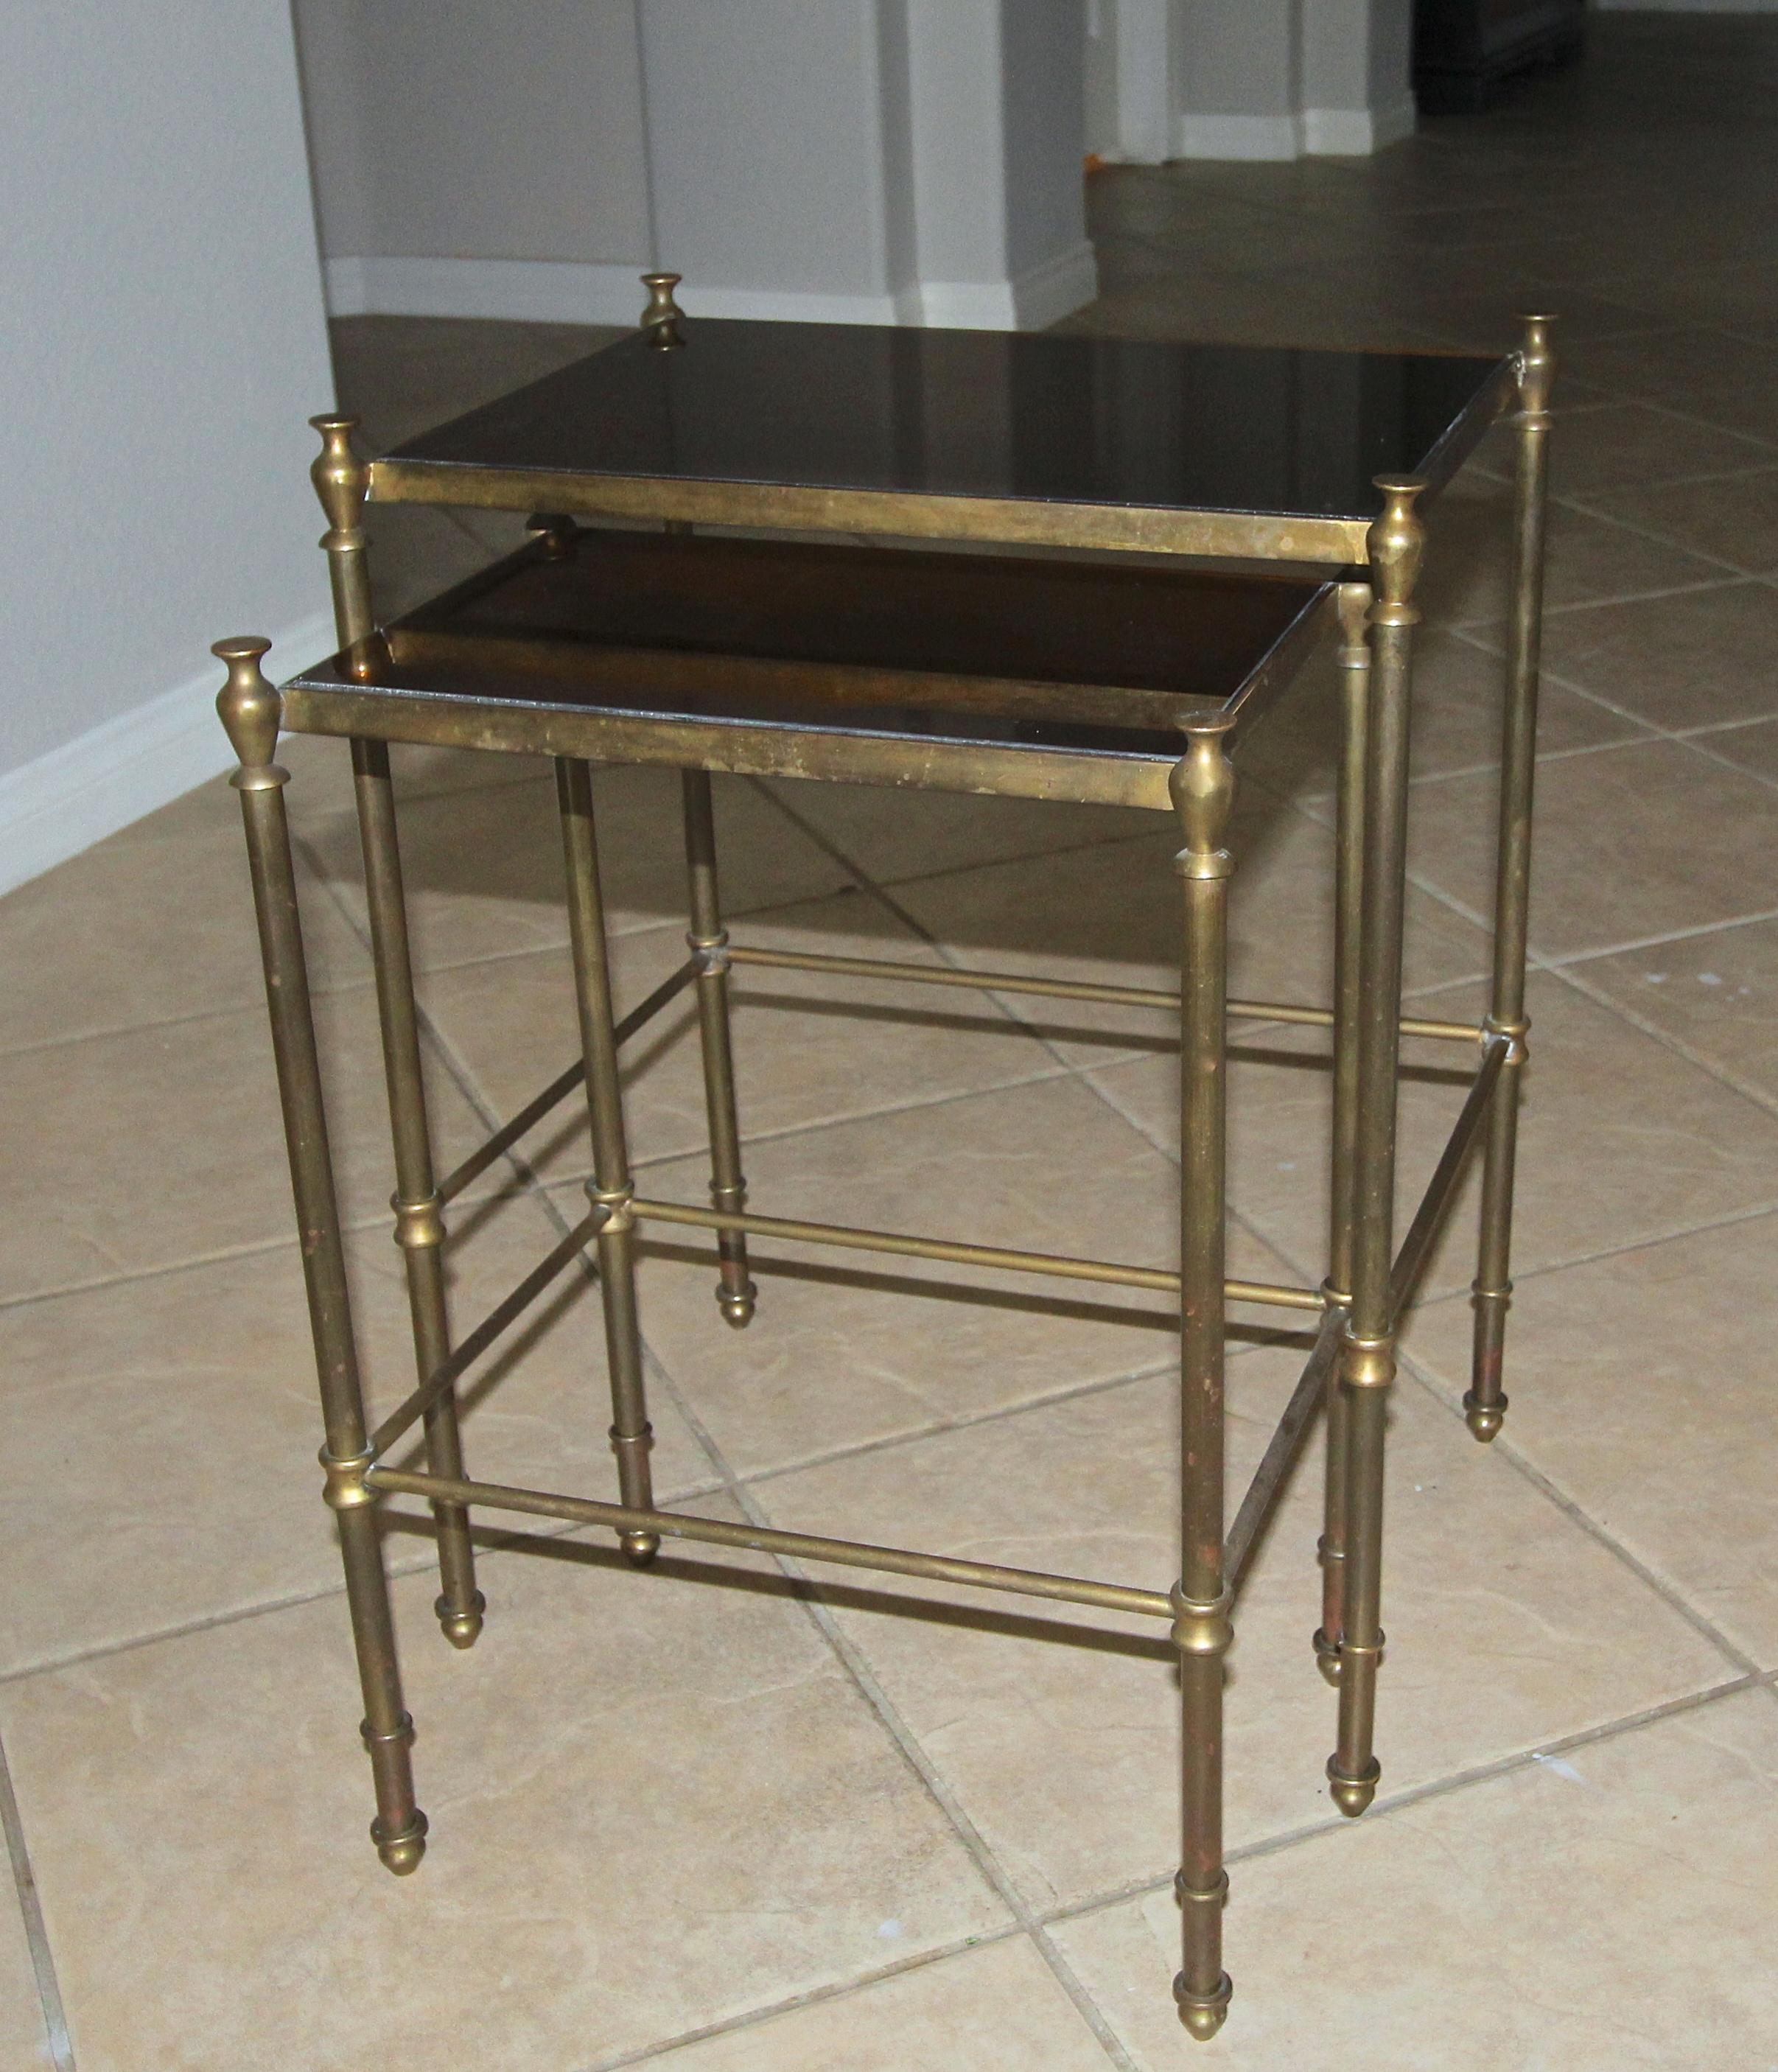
1064	675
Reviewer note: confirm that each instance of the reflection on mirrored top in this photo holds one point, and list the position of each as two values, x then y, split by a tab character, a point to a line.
1028	416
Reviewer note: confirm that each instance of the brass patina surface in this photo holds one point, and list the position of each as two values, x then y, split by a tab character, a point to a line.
511	662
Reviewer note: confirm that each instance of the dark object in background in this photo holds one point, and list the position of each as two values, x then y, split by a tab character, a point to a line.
1466	51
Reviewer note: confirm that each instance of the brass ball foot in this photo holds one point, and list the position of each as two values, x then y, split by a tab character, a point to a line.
1353	1794
639	1549
460	1628
1203	2013
1484	1418
737	1306
401	1852
1327	1656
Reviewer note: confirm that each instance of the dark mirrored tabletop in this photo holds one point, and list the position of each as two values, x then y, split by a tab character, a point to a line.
1073	440
1036	675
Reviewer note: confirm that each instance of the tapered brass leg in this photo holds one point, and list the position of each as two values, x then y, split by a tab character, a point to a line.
1367	1365
1354	663
419	1227
708	939
1485	1404
1203	787
250	710
611	1186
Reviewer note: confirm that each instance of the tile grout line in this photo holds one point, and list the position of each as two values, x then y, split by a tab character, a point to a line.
1081	1074
1574	1260
1559	970
1576	605
1522	1761
986	1865
650	2053
497	1540
1548	962
1675	1045
1668	1592
857	1670
870	888
1700	743
43	1961
1535	1477
1585	509
1072	1393
852	1660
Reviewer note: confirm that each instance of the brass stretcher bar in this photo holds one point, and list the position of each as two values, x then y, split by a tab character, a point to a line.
507	1313
565	1083
766	1539
1280	1453
1256	1505
1057	989
1161	1282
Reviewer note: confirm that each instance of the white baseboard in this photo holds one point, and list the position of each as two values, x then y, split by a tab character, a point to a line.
1041	295
795	306
1045	293
70	797
1239	137
1355	133
549	291
527	290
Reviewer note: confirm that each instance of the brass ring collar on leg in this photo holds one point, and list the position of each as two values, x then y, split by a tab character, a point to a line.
616	1203
1514	1031
1201	1627
1366	1362
418	1224
346	1487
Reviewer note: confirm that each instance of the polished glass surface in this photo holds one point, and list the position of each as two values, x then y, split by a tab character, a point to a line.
1021	415
1011	651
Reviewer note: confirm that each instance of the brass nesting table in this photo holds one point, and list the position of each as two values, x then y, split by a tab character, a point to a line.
1286	490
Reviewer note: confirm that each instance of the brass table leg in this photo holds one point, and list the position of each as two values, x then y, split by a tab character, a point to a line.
1367	1365
419	1227
611	1187
250	710
1485	1404
1355	664
1203	787
708	940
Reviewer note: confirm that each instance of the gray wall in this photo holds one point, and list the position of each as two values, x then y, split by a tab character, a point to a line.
1044	108
438	132
1247	79
1240	56
789	189
166	343
870	159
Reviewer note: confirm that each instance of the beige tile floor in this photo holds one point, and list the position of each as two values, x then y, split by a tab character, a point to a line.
762	1824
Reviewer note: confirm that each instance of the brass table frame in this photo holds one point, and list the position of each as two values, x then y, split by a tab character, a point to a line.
1369	1278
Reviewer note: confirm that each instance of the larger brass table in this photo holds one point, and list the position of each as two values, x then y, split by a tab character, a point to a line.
1286	490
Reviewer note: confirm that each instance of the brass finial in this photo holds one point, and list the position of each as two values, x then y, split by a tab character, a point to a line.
249	706
1353	602
663	317
1202	788
1395	543
341	480
1537	365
